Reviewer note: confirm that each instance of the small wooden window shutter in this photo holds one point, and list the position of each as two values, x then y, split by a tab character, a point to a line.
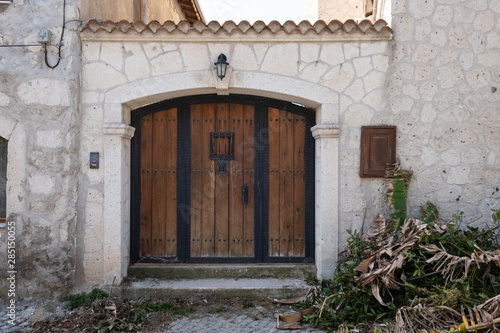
378	150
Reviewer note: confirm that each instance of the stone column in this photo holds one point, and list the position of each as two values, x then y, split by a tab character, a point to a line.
116	214
327	200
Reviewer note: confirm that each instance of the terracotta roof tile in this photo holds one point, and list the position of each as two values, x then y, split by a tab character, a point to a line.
244	27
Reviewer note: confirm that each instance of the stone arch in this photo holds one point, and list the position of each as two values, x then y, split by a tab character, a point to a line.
14	133
119	103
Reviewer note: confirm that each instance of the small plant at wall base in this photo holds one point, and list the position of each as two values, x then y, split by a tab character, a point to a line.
417	274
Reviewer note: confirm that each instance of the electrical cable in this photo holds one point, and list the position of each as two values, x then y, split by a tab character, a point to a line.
59	46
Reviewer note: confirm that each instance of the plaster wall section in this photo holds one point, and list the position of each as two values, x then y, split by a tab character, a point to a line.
327	11
443	92
39	117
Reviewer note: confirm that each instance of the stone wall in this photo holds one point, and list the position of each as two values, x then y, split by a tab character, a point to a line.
39	117
122	71
443	93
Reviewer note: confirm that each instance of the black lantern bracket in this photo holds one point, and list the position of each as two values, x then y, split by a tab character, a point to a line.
222	75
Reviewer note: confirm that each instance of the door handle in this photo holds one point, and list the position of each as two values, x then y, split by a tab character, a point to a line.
245	193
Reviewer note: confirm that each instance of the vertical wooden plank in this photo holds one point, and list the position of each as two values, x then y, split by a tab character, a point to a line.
299	188
159	184
208	184
146	156
222	190
286	182
236	172
248	178
196	181
274	183
171	174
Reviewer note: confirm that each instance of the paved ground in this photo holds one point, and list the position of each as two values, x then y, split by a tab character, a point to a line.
258	319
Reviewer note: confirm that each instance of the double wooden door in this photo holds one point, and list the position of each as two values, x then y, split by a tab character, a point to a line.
223	181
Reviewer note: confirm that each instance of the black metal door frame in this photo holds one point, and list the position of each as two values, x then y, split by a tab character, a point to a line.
261	181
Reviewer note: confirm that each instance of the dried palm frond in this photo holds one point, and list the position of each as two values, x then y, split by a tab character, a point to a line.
377	228
448	263
442	318
386	264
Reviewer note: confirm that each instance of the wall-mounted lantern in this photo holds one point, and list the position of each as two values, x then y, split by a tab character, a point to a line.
221	66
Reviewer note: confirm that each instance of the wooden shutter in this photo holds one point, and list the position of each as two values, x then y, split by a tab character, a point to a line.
378	150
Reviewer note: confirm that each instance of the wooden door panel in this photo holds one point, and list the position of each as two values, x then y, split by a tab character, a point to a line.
146	160
208	184
222	190
197	237
159	184
299	186
274	183
248	179
286	223
171	189
236	172
221	224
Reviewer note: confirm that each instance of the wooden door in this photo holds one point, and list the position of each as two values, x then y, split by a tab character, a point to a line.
158	208
287	184
216	180
222	179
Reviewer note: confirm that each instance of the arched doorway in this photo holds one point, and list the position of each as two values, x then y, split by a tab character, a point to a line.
222	179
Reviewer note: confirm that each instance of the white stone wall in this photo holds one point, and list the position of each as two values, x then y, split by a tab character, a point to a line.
39	117
343	80
443	89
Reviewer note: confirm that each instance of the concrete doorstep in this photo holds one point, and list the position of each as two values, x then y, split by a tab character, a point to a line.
220	288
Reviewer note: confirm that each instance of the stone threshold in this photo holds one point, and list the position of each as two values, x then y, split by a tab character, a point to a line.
221	271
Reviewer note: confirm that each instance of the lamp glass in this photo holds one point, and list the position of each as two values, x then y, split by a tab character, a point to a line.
221	66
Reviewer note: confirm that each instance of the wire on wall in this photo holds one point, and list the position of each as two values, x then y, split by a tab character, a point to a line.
59	46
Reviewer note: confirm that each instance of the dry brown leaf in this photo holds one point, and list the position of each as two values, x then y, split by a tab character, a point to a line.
365	265
291	321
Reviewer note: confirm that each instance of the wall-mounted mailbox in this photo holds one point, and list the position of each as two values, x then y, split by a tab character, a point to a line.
94	160
378	150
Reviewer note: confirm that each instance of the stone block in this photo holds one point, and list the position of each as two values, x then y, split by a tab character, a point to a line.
356	90
421	8
313	72
486	174
113	54
484	21
459	175
332	54
339	77
442	16
358	115
195	57
451	157
51	139
41	184
4	100
309	52
101	76
50	92
243	58
136	63
170	62
275	62
362	66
